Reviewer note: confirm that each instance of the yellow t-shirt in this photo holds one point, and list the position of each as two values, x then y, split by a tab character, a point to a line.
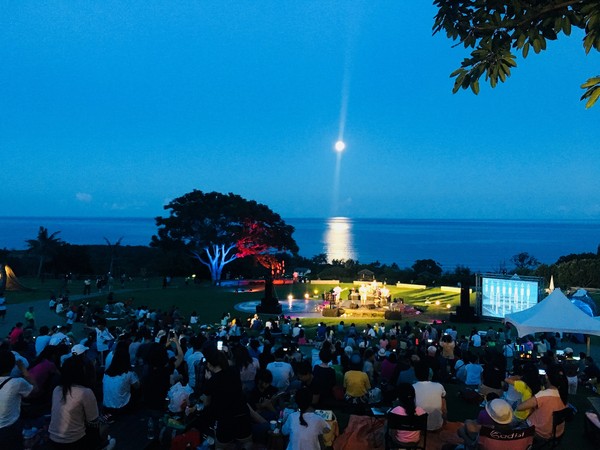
525	392
356	383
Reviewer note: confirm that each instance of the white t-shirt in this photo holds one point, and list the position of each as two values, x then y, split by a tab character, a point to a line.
102	339
68	418
429	395
59	338
304	437
10	399
190	361
282	374
117	389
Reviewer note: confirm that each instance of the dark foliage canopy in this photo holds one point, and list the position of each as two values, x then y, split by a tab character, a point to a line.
497	29
199	219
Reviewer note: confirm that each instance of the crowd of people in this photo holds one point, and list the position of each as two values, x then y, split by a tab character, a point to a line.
237	378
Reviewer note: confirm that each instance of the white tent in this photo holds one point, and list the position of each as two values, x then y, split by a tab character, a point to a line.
554	313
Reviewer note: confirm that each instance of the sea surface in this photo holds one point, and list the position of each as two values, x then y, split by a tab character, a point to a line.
482	245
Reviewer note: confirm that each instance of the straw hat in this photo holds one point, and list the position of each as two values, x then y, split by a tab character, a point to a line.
500	411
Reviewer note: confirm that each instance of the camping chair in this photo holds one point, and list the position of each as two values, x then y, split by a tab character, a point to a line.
558	419
518	439
404	423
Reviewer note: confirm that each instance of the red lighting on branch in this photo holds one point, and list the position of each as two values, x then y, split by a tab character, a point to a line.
254	242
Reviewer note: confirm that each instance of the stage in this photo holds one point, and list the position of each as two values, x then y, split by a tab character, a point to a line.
319	308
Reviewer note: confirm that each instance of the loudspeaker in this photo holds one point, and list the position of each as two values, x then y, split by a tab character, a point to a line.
349	304
464	315
465	298
332	312
392	315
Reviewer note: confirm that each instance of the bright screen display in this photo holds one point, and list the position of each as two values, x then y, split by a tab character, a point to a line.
505	296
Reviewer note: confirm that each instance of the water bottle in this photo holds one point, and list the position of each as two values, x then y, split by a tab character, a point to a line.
150	434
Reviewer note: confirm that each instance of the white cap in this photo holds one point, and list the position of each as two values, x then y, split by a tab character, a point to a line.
79	349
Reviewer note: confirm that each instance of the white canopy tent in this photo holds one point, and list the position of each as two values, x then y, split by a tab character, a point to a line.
554	313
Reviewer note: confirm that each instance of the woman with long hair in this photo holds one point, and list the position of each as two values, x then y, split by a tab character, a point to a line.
406	407
304	426
119	380
554	398
73	407
246	365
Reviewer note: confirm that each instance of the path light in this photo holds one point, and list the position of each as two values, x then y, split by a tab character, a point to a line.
290	297
437	303
306	296
448	306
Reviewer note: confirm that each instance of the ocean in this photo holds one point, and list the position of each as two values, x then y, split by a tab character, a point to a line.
482	245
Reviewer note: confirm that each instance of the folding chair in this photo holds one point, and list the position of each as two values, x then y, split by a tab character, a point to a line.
396	422
494	439
558	418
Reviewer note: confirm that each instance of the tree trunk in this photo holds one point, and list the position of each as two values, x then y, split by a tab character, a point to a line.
40	266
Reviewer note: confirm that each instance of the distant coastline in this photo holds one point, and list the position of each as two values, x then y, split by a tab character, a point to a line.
480	244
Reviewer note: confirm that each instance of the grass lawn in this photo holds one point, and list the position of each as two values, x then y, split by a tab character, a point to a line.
211	302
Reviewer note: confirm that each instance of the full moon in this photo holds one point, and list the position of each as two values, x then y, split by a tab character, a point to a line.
340	146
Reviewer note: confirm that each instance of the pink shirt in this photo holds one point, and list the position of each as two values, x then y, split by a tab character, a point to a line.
548	401
407	436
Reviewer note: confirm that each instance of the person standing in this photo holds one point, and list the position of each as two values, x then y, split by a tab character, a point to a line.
30	318
104	339
87	286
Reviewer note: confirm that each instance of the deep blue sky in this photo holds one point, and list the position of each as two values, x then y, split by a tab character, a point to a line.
112	108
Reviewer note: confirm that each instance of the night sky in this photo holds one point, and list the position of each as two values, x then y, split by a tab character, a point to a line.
112	108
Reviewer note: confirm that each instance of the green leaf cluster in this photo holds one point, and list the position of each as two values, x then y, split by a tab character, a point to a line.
497	29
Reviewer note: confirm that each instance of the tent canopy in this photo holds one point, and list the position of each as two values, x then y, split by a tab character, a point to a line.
554	313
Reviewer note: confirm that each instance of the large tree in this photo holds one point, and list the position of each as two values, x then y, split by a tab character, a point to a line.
216	229
496	29
44	246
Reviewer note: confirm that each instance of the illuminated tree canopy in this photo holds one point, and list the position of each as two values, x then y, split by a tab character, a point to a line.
496	29
217	229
